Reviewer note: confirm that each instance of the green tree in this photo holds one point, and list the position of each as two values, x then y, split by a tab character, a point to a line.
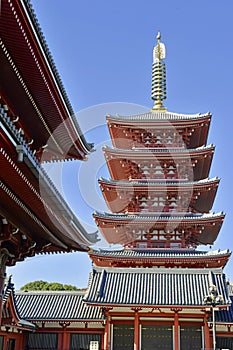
43	285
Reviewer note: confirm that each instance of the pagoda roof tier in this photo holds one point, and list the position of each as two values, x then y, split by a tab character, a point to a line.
155	117
154	287
190	229
34	216
40	96
159	257
159	129
166	196
192	164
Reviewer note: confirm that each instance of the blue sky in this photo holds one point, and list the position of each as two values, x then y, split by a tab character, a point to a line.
103	52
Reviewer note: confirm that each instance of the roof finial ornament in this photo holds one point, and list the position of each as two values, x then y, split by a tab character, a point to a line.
158	93
158	35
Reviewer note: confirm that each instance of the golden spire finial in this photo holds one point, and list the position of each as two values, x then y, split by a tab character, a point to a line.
158	35
158	93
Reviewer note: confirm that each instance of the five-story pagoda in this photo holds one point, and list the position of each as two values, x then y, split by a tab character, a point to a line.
152	291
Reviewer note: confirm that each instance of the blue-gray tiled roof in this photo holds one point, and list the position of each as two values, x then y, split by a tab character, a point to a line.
225	316
55	306
154	286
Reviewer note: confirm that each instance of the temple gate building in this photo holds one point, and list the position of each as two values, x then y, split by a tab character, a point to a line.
159	290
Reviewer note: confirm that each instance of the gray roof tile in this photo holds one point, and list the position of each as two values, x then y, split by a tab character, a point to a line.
158	115
153	182
55	305
153	217
153	286
145	150
225	316
160	253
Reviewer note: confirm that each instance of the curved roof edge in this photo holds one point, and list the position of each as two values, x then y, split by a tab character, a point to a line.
158	116
158	150
148	183
152	216
36	26
9	292
162	253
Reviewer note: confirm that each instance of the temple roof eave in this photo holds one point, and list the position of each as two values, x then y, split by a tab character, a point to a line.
122	162
164	257
123	228
150	184
150	217
156	253
145	151
53	218
120	195
25	42
48	190
87	147
158	117
29	167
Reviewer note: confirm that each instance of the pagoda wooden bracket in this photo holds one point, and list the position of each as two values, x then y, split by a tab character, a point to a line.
156	309
136	309
64	325
106	309
176	309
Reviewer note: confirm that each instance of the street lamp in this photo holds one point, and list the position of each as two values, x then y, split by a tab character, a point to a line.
213	299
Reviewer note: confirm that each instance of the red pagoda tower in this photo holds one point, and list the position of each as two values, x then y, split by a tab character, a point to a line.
153	292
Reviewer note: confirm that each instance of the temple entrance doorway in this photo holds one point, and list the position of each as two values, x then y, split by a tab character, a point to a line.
123	337
156	337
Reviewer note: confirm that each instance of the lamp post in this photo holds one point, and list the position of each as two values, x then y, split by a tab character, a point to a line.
213	299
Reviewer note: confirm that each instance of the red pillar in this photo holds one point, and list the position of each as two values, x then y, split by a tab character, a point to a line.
136	330
66	340
176	331
20	342
106	331
5	347
23	338
208	344
60	341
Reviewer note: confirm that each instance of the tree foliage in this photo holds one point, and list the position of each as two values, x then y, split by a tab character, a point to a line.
43	285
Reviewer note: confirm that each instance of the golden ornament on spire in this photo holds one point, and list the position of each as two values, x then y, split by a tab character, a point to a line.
158	93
